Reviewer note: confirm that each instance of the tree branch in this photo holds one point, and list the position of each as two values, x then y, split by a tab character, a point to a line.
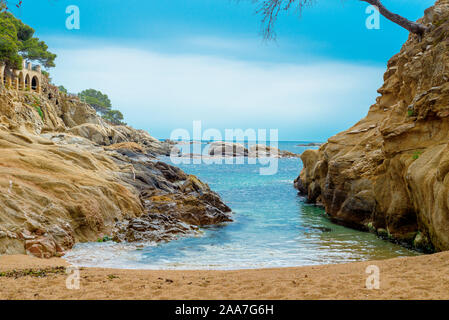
411	26
270	9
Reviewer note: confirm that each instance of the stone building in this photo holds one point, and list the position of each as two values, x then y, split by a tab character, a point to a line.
27	79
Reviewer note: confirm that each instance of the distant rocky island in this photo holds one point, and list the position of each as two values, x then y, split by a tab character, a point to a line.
232	149
312	144
224	149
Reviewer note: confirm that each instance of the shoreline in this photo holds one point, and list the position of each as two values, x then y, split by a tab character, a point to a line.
407	278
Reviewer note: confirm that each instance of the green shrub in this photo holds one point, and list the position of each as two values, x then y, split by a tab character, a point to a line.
416	155
39	110
104	239
37	106
63	89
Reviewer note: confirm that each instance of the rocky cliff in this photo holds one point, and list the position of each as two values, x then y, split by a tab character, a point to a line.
66	176
389	173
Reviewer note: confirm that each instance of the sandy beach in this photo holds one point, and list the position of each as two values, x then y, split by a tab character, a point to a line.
423	277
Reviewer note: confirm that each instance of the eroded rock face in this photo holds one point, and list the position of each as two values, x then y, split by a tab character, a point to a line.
53	195
170	215
154	228
175	203
66	176
390	171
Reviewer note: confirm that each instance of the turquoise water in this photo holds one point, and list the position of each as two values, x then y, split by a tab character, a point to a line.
273	227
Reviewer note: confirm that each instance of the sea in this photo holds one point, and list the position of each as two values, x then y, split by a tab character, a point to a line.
273	227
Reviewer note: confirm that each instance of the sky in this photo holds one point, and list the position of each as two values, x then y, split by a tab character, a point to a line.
165	64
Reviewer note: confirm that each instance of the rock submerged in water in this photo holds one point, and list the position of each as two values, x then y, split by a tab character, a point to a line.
153	228
389	173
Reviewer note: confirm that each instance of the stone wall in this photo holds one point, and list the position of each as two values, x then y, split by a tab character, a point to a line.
27	79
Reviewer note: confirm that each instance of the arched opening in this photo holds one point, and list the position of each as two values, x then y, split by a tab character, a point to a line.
35	84
5	76
21	81
27	82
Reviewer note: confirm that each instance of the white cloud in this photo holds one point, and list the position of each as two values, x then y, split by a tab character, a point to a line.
162	92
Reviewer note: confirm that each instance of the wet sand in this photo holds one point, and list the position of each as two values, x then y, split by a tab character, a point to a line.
423	277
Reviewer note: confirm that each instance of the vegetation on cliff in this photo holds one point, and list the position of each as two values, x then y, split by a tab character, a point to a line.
63	89
101	103
97	100
17	42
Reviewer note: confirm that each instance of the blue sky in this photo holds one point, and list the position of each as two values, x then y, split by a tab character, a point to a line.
165	64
